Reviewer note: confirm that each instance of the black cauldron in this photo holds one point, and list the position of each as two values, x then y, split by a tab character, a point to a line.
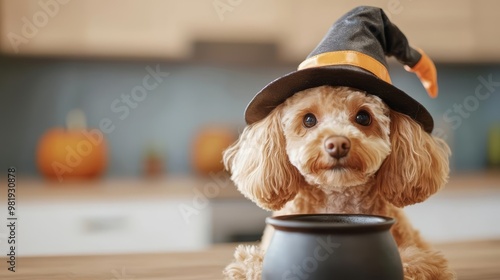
332	246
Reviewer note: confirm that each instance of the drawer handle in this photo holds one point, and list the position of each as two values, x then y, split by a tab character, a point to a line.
105	224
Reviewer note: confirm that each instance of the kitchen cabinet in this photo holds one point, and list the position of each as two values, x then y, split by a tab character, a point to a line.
462	210
127	215
100	227
121	215
108	216
449	31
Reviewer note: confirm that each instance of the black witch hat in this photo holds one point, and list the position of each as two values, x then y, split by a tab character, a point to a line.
353	54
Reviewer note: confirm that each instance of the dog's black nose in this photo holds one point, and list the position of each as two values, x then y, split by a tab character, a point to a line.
337	146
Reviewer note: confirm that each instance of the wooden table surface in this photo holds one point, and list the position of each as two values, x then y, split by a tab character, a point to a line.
478	260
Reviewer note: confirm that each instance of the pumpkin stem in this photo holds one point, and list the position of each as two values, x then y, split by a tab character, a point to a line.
75	119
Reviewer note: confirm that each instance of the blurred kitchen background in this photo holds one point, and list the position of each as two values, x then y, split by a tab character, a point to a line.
150	188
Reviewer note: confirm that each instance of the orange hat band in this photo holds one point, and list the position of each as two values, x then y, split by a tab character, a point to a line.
353	58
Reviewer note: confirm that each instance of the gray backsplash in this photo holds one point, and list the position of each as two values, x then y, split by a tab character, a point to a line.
36	94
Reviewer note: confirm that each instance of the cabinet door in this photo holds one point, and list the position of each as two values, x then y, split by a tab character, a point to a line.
449	31
125	226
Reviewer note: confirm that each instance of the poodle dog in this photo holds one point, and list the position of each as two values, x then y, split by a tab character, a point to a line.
339	150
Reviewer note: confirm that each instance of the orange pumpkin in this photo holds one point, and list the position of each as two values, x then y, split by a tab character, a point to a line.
207	149
72	153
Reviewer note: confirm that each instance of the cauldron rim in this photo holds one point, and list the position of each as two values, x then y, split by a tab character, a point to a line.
350	223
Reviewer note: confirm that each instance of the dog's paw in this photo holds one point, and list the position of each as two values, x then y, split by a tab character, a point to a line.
247	264
406	272
421	264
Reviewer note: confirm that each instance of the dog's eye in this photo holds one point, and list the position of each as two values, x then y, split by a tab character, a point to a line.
309	120
363	118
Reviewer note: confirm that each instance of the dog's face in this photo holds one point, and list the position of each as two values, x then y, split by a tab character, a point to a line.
336	136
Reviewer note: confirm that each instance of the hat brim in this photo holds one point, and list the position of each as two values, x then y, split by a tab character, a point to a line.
284	87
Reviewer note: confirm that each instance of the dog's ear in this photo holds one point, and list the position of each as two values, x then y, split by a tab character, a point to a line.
416	167
259	164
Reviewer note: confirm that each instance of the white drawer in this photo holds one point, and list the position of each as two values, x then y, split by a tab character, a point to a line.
55	228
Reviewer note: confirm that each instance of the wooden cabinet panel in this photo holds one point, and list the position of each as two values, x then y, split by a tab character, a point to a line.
448	30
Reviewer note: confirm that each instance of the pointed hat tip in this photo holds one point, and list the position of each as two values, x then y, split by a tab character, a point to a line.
427	73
